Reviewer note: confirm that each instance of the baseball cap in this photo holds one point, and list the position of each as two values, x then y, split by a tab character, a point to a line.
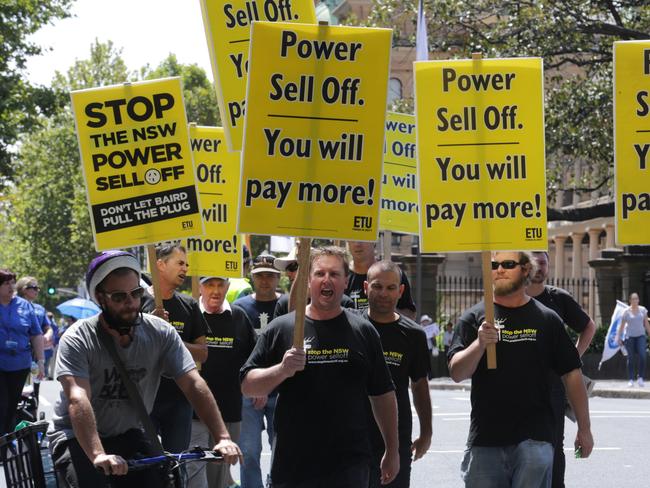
264	264
282	263
205	279
425	318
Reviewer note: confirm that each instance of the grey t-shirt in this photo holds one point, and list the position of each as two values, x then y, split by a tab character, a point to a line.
634	327
156	349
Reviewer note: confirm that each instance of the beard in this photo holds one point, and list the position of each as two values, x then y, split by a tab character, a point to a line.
506	287
121	325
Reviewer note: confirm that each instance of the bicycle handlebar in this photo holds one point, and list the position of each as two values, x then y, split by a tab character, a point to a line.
193	455
196	454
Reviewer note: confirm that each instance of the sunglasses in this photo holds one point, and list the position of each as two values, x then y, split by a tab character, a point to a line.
292	267
120	296
33	287
507	264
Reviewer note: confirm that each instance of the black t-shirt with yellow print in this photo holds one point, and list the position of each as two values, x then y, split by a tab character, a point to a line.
512	403
321	419
186	317
230	339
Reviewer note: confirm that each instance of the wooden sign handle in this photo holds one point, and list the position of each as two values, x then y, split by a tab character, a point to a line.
488	299
304	254
155	279
196	291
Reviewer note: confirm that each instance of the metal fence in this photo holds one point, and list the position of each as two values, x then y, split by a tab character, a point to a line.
455	294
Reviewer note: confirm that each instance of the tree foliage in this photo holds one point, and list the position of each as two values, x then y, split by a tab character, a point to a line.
46	209
199	94
20	102
575	39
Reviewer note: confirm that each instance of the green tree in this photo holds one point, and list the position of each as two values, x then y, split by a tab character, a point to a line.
575	39
20	102
199	94
47	210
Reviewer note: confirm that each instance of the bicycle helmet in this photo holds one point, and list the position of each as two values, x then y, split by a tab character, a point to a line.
105	263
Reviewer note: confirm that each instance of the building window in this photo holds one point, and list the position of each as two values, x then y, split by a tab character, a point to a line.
394	90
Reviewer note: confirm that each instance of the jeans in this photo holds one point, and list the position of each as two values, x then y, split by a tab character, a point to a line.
636	346
250	440
528	464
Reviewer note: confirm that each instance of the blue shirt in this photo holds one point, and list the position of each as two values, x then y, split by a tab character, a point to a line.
18	322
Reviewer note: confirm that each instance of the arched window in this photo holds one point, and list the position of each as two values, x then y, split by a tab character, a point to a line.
394	89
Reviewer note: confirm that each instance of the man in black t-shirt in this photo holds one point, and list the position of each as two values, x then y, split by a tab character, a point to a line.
321	420
230	339
363	256
258	309
572	314
407	356
511	430
172	413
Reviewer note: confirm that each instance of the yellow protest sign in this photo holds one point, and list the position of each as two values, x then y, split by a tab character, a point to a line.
480	150
399	192
219	251
137	163
227	30
632	141
314	131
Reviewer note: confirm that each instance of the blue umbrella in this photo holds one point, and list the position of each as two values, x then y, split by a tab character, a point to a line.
78	308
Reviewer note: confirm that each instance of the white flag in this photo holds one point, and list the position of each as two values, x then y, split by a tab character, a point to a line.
421	38
611	346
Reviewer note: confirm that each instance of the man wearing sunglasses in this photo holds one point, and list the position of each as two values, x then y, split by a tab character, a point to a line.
95	424
511	434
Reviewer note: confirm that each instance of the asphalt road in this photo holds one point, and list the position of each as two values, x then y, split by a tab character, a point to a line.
621	429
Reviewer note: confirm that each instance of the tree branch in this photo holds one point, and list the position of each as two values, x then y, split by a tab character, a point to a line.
580	214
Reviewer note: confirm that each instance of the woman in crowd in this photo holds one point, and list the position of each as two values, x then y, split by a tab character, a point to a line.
21	341
634	323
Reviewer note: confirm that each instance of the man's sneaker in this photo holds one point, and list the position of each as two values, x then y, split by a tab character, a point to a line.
641	383
630	383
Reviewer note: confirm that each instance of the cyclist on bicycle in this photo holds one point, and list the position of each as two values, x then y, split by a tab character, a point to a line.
95	424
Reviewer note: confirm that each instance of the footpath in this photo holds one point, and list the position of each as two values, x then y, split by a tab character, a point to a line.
602	388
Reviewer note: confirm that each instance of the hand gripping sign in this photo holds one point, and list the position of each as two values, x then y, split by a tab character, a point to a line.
399	191
480	150
137	163
219	251
314	131
227	29
632	141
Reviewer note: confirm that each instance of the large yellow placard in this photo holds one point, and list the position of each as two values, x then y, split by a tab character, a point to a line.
399	191
632	141
137	163
227	29
219	251
480	150
313	144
